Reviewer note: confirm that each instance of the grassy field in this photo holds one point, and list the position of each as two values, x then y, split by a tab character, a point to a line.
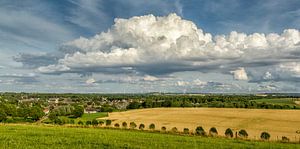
37	136
85	117
91	116
277	122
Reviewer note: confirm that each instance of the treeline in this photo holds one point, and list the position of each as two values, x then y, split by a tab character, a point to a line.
110	97
210	102
106	102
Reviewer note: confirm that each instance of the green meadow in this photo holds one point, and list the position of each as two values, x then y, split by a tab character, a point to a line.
41	136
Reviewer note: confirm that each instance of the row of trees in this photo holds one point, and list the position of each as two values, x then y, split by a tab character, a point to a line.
199	131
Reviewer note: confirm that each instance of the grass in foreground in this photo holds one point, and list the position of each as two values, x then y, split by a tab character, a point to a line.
36	136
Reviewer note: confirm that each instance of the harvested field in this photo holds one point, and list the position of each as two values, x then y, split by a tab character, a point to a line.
277	122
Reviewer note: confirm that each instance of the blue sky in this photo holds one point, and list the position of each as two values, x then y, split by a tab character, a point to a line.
183	46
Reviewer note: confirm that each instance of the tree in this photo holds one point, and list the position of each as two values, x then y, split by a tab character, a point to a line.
108	122
228	133
142	127
174	130
117	125
78	111
213	131
132	125
124	125
101	123
58	121
285	139
200	131
88	123
243	133
10	110
265	136
134	105
52	116
35	113
147	104
152	126
186	131
3	115
80	123
72	121
95	122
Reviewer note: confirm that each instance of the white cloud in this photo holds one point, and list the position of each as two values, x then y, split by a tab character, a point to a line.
53	68
182	83
291	67
268	76
150	78
240	74
150	45
269	87
90	81
198	82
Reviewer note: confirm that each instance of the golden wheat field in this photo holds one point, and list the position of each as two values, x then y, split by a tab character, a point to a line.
277	122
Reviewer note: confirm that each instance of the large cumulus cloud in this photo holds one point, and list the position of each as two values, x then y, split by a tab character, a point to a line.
163	45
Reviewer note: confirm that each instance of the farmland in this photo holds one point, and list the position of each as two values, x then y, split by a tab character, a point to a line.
277	122
27	118
38	136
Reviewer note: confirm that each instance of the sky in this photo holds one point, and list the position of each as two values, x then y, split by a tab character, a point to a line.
139	46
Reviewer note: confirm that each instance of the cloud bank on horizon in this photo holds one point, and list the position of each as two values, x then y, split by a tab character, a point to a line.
159	51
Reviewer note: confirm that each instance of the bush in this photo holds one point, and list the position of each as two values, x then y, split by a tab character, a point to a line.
58	121
213	131
285	139
80	123
174	130
243	133
108	122
117	125
101	123
163	128
228	133
72	121
265	136
3	115
152	126
88	123
95	122
200	131
142	127
124	124
186	131
132	125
